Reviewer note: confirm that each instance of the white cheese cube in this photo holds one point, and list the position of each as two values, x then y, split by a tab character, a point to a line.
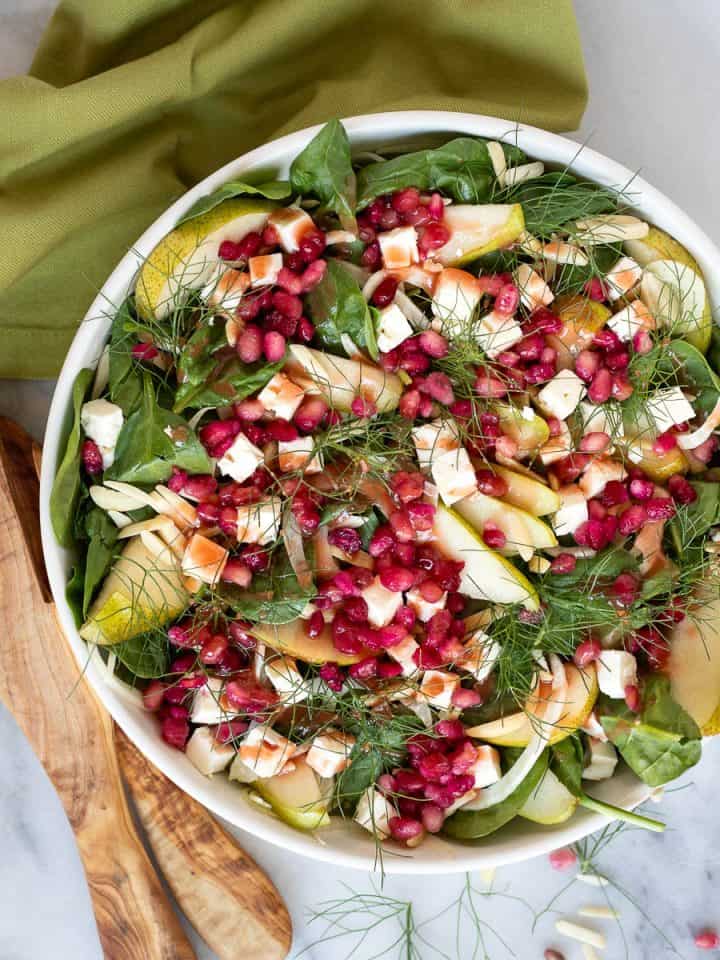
241	460
291	224
330	752
496	333
617	669
455	298
393	328
557	448
486	768
259	522
602	418
264	270
424	609
205	753
603	760
374	812
281	396
398	247
622	277
573	510
534	291
240	772
224	290
600	472
203	559
209	706
668	408
558	251
434	439
593	728
403	653
454	475
630	320
382	603
102	422
264	751
480	655
283	674
561	395
298	455
438	687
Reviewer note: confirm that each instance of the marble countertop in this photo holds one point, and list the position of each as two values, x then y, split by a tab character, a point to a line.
652	70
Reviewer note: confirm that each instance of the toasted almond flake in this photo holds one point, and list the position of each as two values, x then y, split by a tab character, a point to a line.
526	171
593	879
119	519
610	228
102	374
138	496
154	544
157	524
497	158
602	913
113	499
169	502
576	931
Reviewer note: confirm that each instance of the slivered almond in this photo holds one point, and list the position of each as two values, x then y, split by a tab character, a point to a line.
526	171
497	158
610	228
119	519
575	931
102	374
184	513
113	499
140	498
560	252
601	913
155	545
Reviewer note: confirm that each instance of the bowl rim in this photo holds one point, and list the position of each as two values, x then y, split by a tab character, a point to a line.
442	856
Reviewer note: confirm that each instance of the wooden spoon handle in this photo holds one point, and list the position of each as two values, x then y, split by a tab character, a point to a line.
72	734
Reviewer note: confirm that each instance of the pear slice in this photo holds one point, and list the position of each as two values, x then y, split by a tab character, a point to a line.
516	729
675	294
292	638
528	494
477	229
658	245
550	802
694	665
296	797
529	432
524	532
185	258
143	591
340	379
486	575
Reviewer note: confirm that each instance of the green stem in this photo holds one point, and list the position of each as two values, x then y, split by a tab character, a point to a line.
617	813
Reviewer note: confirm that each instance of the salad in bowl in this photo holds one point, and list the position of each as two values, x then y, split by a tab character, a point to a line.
394	495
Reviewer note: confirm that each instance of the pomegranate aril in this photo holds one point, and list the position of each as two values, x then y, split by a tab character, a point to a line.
364	670
491	484
230	730
664	444
212	651
450	729
434	236
563	858
235	571
370	257
595	289
531	348
312	245
404	829
615	492
363	408
434	766
600	386
432	817
274	345
493	536
91	458
409	404
595	442
587	364
288	304
621	387
406	200
433	344
332	675
144	351
382	541
486	385
175	731
249	344
587	652
229	251
632	697
507	300
397	579
385	292
438	386
707	940
660	508
153	695
642	342
606	339
681	490
464	698
407	486
641	488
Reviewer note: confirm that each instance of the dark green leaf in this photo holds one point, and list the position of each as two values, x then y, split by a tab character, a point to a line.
605	565
365	767
696	374
271	189
125	383
372	522
695	519
74	592
659	743
324	170
337	307
566	762
147	655
101	550
68	480
154	440
461	169
554	199
274	597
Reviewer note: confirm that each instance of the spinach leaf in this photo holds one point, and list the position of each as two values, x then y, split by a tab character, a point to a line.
74	592
658	744
567	761
212	375
338	307
125	378
154	440
275	597
607	564
101	550
461	169
372	522
146	655
365	767
473	824
695	519
696	374
68	480
271	190
554	199
713	353
324	170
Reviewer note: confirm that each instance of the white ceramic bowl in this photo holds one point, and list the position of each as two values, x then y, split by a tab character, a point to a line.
342	843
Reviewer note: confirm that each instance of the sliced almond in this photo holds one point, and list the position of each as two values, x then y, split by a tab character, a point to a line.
119	519
600	913
112	499
558	251
184	513
138	497
582	934
610	228
497	158
333	237
164	527
155	545
526	171
102	374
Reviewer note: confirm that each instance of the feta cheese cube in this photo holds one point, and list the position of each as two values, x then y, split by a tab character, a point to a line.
593	728
264	270
557	448
455	298
265	751
204	559
486	768
291	224
393	328
382	603
403	653
669	408
630	320
283	674
622	277
437	688
561	395
329	752
573	510
603	760
602	418
617	669
209	705
398	247
558	251
496	333
454	475
281	396
534	291
480	655
259	522
225	288
102	422
298	455
434	439
374	812
424	609
206	753
241	460
600	472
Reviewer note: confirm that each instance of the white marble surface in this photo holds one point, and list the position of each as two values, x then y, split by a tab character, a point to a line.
652	70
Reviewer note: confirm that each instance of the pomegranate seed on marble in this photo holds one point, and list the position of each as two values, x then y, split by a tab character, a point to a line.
681	489
175	731
507	300
632	697
464	699
587	364
384	292
587	652
563	858
660	508
249	344
707	940
600	386
493	536
595	442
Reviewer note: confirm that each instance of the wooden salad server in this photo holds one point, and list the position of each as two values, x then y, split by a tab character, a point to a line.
228	899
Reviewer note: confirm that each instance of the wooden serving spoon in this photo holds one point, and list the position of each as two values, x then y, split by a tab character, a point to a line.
225	895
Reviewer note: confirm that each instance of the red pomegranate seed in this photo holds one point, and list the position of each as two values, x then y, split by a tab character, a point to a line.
407	486
235	571
626	588
249	344
270	237
370	257
312	275
621	387
563	858
422	516
464	698
507	300
177	480
438	386
600	386
436	207
315	625
531	348
434	766
289	281
409	782
433	344
539	373
434	236
595	442
250	244
617	360
409	404
404	201
362	408
288	304
491	484
430	591
213	651
153	695
493	536
229	250
614	493
660	508
587	364
382	541
632	520
273	345
145	351
389	218
641	488
563	563
664	444
397	579
595	289
707	940
91	458
587	652
405	617
230	730
450	729
551	954
364	670
642	342
384	292
312	245
200	487
175	731
632	697
432	817
488	386
681	489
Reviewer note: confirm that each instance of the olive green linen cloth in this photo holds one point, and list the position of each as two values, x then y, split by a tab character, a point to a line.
130	102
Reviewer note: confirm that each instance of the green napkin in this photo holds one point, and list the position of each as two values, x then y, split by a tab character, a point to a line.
130	102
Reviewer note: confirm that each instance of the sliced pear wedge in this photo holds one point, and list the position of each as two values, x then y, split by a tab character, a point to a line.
528	494
658	245
530	432
340	379
296	797
486	575
524	533
477	229
694	665
675	294
292	638
550	802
